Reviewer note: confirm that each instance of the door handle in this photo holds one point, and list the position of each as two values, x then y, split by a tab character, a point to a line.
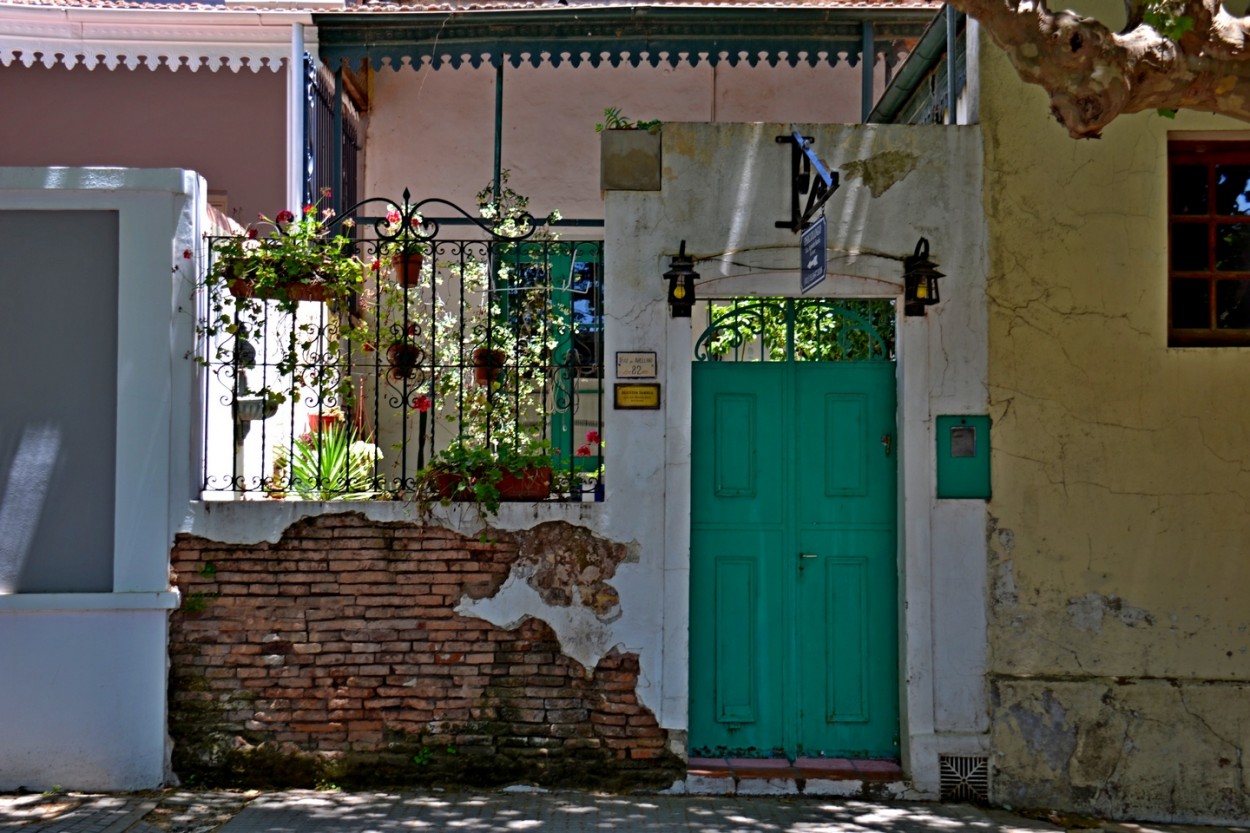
887	442
803	556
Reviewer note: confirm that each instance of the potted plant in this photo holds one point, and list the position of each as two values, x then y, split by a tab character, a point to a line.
300	259
629	153
401	243
512	469
253	289
333	463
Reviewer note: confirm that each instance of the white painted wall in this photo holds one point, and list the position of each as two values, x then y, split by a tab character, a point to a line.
83	703
724	185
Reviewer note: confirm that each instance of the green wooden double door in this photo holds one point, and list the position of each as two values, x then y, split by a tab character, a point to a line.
794	612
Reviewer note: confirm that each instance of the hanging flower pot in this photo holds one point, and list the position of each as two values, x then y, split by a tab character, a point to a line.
403	359
488	365
408	268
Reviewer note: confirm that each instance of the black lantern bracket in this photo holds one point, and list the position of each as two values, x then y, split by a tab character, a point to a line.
920	280
681	279
803	162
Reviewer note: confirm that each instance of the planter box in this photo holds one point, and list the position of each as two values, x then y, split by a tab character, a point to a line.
629	160
530	484
294	291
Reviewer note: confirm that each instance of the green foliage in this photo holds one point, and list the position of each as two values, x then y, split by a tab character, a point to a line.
423	756
818	336
614	120
208	569
1164	16
299	258
333	464
466	469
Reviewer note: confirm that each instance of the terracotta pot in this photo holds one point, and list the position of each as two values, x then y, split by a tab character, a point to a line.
488	365
319	422
408	268
528	484
403	359
294	291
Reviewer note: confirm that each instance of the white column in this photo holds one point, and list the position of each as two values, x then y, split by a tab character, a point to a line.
295	120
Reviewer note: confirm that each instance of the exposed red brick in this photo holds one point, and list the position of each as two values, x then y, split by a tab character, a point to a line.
343	638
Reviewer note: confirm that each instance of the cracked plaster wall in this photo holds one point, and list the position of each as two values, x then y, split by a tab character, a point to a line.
1118	624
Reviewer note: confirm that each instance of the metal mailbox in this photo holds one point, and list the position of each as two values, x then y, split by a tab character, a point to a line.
963	457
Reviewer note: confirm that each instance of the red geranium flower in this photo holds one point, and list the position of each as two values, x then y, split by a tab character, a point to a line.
421	403
583	451
592	437
186	253
252	233
285	216
392	217
310	209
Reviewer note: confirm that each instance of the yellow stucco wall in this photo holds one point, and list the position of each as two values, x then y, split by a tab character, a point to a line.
1120	582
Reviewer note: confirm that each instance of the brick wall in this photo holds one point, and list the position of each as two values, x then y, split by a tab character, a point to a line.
336	656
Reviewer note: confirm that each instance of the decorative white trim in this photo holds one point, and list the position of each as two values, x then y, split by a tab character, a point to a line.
162	600
153	39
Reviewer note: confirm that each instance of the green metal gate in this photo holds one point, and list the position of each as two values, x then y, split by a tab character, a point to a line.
793	628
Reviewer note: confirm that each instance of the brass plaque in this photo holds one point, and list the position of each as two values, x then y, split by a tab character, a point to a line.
636	397
635	365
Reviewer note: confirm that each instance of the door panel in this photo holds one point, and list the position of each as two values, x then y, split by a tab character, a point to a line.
736	632
793	630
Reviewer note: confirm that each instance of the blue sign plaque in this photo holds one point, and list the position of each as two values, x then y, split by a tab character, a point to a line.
812	246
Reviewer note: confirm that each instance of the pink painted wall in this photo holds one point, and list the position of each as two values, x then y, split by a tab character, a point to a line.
230	127
432	130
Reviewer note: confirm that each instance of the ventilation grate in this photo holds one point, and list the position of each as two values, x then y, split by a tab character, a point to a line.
964	778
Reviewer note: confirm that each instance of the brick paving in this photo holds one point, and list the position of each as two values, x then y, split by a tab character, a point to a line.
509	811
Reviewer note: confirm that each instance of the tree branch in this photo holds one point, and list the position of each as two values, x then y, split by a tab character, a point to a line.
1093	74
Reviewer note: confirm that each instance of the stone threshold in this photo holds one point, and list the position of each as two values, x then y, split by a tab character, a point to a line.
802	776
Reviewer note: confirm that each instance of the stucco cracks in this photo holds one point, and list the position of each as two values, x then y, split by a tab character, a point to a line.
1108	745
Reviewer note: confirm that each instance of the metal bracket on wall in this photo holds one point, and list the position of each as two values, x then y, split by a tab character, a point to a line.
803	160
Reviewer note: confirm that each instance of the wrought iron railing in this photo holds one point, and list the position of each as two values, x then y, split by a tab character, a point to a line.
448	352
762	329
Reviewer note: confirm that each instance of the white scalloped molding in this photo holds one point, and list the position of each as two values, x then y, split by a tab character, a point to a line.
134	38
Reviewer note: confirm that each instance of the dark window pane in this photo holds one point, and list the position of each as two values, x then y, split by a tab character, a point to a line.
1191	305
1232	248
1232	183
1232	305
1189	189
1189	247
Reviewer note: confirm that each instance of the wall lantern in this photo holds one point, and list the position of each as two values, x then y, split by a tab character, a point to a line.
681	277
920	280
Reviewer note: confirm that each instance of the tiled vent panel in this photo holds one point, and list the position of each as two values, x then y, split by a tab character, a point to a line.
964	778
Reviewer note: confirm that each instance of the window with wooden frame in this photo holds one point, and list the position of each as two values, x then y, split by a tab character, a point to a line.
1209	244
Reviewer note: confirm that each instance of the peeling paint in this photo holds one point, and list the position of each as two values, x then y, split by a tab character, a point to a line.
568	565
1088	611
883	171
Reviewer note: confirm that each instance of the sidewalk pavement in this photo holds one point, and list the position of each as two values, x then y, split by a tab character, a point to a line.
507	811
